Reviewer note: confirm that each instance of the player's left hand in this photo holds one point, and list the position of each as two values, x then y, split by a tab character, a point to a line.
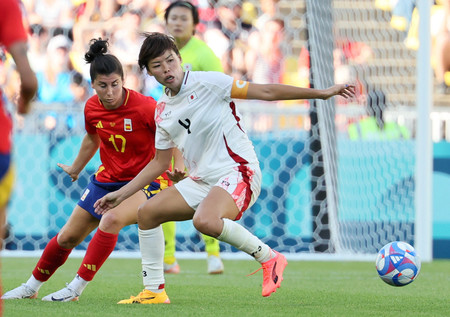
176	175
343	90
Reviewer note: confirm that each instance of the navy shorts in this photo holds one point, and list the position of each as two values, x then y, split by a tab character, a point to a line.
96	190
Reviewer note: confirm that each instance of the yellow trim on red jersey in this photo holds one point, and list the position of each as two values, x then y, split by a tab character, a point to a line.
239	89
128	96
100	169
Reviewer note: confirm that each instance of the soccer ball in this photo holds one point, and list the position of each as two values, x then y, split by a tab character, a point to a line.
398	263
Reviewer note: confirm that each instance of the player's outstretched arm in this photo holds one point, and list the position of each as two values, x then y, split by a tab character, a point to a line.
150	172
271	92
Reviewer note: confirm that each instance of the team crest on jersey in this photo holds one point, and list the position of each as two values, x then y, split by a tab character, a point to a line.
127	126
112	124
192	97
159	110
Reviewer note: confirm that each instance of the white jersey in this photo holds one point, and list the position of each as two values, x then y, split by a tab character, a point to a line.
203	123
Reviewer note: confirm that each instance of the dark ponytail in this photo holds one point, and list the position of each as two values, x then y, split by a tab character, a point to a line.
101	62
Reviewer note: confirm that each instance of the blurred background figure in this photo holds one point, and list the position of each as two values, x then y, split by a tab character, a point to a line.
441	51
37	41
51	14
374	127
126	41
228	37
54	80
269	10
265	58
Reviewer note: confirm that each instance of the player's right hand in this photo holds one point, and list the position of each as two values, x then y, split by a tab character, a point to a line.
107	202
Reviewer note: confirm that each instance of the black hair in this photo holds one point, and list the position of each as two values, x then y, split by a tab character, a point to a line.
185	4
154	45
101	62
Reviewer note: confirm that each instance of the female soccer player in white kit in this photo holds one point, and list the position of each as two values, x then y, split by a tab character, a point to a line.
197	115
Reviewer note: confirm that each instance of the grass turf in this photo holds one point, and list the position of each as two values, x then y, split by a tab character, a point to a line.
309	289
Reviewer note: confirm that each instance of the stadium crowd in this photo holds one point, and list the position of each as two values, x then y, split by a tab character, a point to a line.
247	38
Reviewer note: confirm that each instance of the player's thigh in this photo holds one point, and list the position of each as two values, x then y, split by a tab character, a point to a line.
124	214
167	205
77	228
217	204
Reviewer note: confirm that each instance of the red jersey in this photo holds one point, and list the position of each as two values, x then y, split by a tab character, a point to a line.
127	136
11	31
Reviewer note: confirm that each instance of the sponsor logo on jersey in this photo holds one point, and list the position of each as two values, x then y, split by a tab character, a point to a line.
99	125
127	125
86	192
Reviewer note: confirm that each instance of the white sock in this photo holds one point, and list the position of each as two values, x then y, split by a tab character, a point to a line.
151	243
78	284
240	238
33	283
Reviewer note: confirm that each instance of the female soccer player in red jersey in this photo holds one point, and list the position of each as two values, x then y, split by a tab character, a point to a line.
121	123
14	38
197	115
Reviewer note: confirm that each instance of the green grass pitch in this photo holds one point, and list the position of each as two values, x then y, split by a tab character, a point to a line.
309	289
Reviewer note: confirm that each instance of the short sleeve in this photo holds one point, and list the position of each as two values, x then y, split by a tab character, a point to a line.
162	140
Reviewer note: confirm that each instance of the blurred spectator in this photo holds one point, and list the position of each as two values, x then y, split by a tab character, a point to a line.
229	37
269	10
373	127
54	81
265	58
348	57
134	78
385	5
151	11
441	51
402	12
51	14
100	11
80	88
440	42
37	42
126	41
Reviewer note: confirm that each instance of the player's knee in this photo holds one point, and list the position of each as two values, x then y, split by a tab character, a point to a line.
67	240
203	225
111	223
145	216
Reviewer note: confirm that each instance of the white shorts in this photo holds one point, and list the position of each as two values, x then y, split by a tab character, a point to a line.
243	184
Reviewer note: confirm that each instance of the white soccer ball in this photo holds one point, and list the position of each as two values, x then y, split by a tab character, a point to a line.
398	263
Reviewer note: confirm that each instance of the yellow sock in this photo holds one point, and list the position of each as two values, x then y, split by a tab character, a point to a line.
169	229
212	246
